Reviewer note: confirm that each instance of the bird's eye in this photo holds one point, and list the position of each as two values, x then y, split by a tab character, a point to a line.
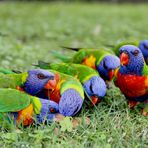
145	46
135	53
41	76
52	110
104	65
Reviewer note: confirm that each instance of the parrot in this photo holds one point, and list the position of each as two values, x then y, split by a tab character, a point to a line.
32	82
23	108
63	89
92	83
142	45
101	60
132	77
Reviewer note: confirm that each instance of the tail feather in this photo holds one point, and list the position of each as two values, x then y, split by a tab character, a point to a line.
71	48
6	71
60	56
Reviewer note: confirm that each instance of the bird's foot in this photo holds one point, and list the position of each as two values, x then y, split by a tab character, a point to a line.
145	112
132	104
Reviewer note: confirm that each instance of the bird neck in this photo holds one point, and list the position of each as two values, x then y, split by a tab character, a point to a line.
133	70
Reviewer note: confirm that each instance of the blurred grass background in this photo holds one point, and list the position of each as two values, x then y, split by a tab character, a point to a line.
28	31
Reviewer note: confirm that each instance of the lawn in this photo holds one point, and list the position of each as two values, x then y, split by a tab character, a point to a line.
28	31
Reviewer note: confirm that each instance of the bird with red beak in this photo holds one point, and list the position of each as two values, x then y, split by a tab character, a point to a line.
132	77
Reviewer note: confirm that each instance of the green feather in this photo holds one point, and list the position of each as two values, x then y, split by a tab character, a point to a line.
82	72
12	100
117	46
12	80
81	54
5	71
145	70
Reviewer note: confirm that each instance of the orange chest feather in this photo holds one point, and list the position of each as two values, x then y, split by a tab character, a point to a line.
90	61
131	85
55	95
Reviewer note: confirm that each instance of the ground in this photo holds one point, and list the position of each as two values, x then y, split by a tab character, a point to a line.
29	31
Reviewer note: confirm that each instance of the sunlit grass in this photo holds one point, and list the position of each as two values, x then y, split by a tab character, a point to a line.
27	34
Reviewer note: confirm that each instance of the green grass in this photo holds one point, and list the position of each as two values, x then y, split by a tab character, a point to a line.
28	31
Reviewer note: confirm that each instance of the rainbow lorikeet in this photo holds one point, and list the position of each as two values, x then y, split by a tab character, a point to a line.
93	85
60	88
132	76
143	46
32	82
101	60
23	108
68	93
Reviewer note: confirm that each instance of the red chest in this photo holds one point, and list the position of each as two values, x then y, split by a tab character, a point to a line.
55	96
131	85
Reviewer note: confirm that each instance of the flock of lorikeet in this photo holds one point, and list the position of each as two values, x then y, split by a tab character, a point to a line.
60	88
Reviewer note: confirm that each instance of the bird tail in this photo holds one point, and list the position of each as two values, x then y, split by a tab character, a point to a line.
59	55
5	71
71	48
42	65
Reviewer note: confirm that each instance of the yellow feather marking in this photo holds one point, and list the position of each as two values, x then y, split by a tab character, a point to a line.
36	104
146	82
25	115
116	71
24	77
58	87
90	61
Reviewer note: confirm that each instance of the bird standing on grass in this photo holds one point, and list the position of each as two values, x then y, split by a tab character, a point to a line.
132	77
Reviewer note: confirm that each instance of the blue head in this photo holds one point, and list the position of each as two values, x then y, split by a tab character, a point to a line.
144	48
38	80
95	87
48	111
107	66
131	60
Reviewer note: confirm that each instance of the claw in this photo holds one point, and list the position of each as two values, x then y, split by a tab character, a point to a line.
144	112
132	104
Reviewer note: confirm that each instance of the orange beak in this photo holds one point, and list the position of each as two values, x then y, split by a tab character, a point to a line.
124	59
50	85
111	74
95	100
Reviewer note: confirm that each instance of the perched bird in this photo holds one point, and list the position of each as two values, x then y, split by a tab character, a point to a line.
23	108
132	76
143	46
101	60
92	83
48	84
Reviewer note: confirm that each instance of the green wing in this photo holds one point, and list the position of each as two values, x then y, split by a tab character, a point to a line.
12	100
145	70
82	72
83	53
116	48
5	71
12	80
